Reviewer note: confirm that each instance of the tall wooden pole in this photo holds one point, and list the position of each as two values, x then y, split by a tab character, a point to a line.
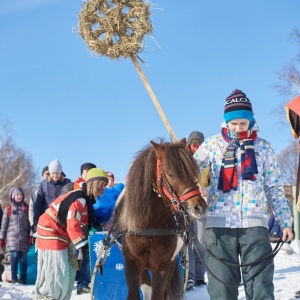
154	99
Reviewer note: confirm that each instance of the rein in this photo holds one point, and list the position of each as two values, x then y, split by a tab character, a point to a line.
268	257
165	188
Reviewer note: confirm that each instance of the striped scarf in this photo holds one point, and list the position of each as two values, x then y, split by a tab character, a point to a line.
228	174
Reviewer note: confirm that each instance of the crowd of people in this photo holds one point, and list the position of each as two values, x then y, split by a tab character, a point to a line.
57	219
238	175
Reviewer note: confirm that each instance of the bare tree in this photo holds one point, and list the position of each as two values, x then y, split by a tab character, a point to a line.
15	165
288	162
289	75
289	80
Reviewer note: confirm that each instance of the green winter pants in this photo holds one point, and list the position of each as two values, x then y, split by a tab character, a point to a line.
239	246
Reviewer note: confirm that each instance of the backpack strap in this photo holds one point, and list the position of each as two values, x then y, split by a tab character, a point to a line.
8	207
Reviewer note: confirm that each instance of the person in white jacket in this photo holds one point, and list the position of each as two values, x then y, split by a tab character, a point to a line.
244	178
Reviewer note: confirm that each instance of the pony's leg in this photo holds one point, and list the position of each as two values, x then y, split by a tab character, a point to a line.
132	276
166	283
159	282
133	268
174	286
146	285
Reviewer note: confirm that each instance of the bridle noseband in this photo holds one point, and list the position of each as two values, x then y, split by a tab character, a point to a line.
165	188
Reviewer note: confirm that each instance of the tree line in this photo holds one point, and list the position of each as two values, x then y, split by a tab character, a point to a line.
16	166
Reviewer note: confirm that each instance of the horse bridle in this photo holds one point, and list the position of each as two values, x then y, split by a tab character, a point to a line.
165	188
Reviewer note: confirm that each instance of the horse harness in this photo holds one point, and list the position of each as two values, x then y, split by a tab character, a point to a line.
164	188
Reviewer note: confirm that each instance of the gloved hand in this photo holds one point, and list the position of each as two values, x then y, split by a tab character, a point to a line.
30	241
2	244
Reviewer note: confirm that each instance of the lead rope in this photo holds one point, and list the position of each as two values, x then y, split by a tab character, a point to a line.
267	259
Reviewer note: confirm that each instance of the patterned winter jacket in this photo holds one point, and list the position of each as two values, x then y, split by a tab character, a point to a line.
15	228
247	206
51	235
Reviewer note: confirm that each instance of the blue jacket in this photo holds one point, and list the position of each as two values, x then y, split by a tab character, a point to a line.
104	206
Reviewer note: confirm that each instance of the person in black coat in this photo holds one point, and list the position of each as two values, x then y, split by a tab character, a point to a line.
1	252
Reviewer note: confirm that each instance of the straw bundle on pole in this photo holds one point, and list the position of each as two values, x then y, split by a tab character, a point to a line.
116	28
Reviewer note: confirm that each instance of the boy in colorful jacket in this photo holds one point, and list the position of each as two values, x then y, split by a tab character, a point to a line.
244	178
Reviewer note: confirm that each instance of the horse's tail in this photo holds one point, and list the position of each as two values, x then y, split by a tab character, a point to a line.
176	290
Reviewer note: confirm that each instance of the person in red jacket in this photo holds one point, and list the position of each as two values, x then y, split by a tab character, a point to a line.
63	227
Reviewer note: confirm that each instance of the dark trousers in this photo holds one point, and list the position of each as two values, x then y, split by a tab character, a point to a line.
83	275
196	267
1	266
16	257
239	246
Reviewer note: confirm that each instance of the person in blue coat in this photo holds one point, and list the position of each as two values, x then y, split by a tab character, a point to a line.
104	206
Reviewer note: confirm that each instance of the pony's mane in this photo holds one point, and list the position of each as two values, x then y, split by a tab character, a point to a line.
136	202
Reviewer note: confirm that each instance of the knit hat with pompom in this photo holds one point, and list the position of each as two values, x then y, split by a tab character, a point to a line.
238	106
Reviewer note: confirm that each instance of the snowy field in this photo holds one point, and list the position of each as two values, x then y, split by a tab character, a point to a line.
286	281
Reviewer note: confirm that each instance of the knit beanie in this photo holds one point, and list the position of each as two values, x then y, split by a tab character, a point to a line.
14	191
86	166
96	174
44	170
55	166
195	137
238	106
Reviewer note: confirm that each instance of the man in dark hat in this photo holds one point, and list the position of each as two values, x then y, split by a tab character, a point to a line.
33	195
196	267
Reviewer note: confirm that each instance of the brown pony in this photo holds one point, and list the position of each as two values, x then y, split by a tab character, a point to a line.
160	197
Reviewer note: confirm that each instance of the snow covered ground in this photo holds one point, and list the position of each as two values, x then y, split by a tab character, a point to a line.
286	281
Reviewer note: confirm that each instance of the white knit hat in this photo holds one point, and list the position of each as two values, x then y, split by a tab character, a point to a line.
55	166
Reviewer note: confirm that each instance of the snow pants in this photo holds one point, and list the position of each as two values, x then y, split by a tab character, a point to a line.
239	246
55	275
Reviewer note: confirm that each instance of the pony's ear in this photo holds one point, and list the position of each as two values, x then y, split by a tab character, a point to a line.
183	141
159	150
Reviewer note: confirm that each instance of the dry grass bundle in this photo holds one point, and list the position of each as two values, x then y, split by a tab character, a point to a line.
115	27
